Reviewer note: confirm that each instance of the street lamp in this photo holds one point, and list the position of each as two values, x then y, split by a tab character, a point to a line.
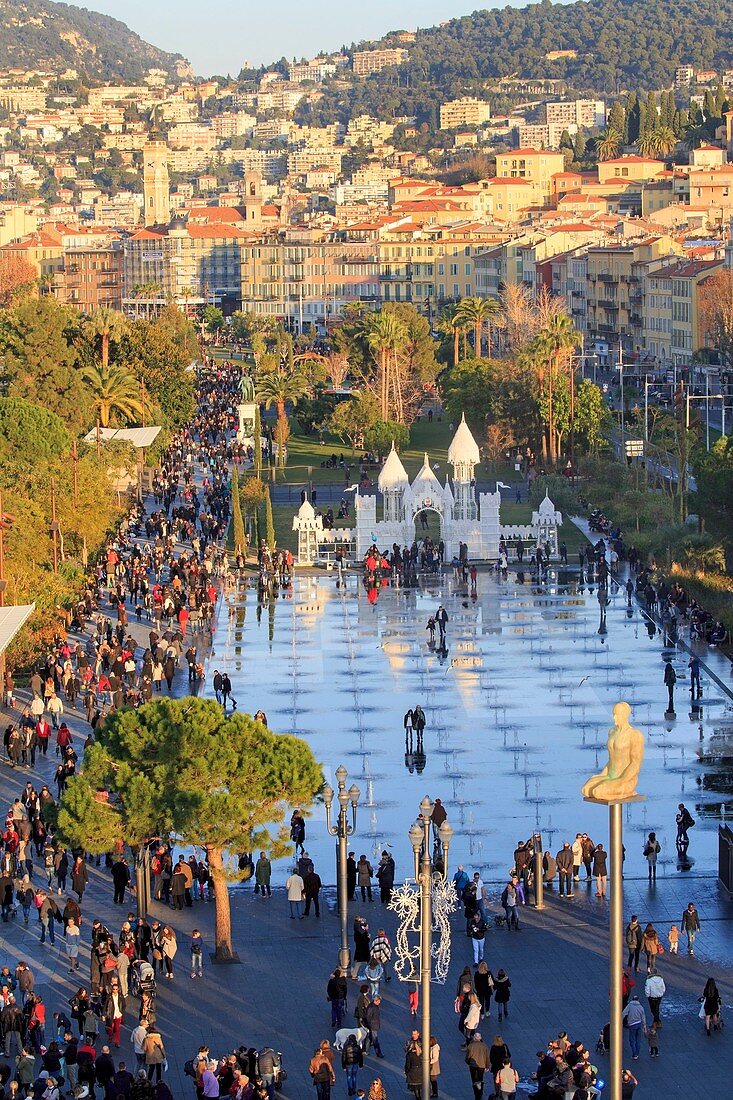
424	869
342	829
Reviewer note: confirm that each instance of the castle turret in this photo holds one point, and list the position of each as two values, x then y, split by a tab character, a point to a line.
392	482
464	456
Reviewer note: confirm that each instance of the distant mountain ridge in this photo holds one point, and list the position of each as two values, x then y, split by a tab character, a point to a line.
40	34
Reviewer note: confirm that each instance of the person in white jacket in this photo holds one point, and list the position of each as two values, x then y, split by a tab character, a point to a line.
654	990
295	888
577	855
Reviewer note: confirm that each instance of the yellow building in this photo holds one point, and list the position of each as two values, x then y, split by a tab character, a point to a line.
671	310
537	166
712	188
630	167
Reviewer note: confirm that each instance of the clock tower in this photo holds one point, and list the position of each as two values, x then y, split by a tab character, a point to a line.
156	185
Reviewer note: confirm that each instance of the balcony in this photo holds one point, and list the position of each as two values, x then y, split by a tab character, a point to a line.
606	278
636	320
608	303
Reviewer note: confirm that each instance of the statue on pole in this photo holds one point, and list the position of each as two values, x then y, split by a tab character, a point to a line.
617	782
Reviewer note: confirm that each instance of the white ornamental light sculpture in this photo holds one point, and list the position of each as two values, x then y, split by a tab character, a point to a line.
405	902
464	457
392	482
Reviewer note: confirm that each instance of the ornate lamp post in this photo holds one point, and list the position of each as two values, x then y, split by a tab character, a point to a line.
342	829
436	901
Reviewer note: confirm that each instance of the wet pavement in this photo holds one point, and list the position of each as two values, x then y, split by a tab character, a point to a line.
517	711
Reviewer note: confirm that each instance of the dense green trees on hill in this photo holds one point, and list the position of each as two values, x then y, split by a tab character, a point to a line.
619	44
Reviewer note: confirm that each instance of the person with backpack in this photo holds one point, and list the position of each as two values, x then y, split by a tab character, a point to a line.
684	821
651	851
352	1059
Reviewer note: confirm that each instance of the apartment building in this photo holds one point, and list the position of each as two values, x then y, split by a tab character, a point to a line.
467	111
317	70
671	313
23	99
588	113
536	166
543	135
191	264
91	276
306	277
365	62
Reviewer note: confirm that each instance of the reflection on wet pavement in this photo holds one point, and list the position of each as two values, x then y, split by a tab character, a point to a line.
517	712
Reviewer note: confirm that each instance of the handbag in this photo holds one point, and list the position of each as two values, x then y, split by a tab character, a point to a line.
701	1013
660	949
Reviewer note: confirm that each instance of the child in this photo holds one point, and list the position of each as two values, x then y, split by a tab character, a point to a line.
412	994
653	1042
197	954
674	936
431	630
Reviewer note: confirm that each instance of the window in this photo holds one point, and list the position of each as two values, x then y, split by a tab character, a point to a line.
454	269
468	269
441	269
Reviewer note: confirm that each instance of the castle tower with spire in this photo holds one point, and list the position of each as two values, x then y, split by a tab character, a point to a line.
392	482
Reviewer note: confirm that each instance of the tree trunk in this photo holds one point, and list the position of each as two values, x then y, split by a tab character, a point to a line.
222	910
456	352
105	350
477	338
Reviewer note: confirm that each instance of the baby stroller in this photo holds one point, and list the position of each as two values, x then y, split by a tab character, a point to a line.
604	1040
142	978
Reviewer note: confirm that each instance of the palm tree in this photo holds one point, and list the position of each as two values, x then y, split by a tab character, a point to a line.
608	145
385	335
451	324
479	312
665	140
554	341
646	144
280	387
113	388
107	324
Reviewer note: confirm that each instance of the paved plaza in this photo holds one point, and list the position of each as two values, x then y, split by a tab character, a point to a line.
517	715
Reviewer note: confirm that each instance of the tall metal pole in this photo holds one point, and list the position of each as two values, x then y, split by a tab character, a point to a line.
623	409
426	938
344	953
342	830
646	409
617	958
707	410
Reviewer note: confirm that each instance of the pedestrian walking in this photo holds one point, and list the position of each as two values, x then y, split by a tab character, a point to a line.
710	1006
694	666
651	851
73	936
506	1081
385	877
635	1018
373	1021
364	874
477	932
263	874
651	947
684	821
296	889
169	947
79	877
311	890
654	990
502	992
362	952
484	985
478	1061
336	994
670	679
197	954
352	1059
690	926
634	936
600	870
674	939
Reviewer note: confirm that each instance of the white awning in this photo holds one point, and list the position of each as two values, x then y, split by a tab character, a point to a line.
139	437
11	620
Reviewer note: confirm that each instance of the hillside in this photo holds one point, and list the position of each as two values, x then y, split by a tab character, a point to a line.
612	45
39	34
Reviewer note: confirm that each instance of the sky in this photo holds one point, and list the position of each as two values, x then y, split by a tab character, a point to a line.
220	35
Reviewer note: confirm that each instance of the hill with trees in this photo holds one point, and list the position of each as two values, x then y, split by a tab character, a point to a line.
607	47
39	34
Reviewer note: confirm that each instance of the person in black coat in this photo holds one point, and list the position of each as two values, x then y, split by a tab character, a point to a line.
311	888
385	877
352	1059
351	876
120	878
